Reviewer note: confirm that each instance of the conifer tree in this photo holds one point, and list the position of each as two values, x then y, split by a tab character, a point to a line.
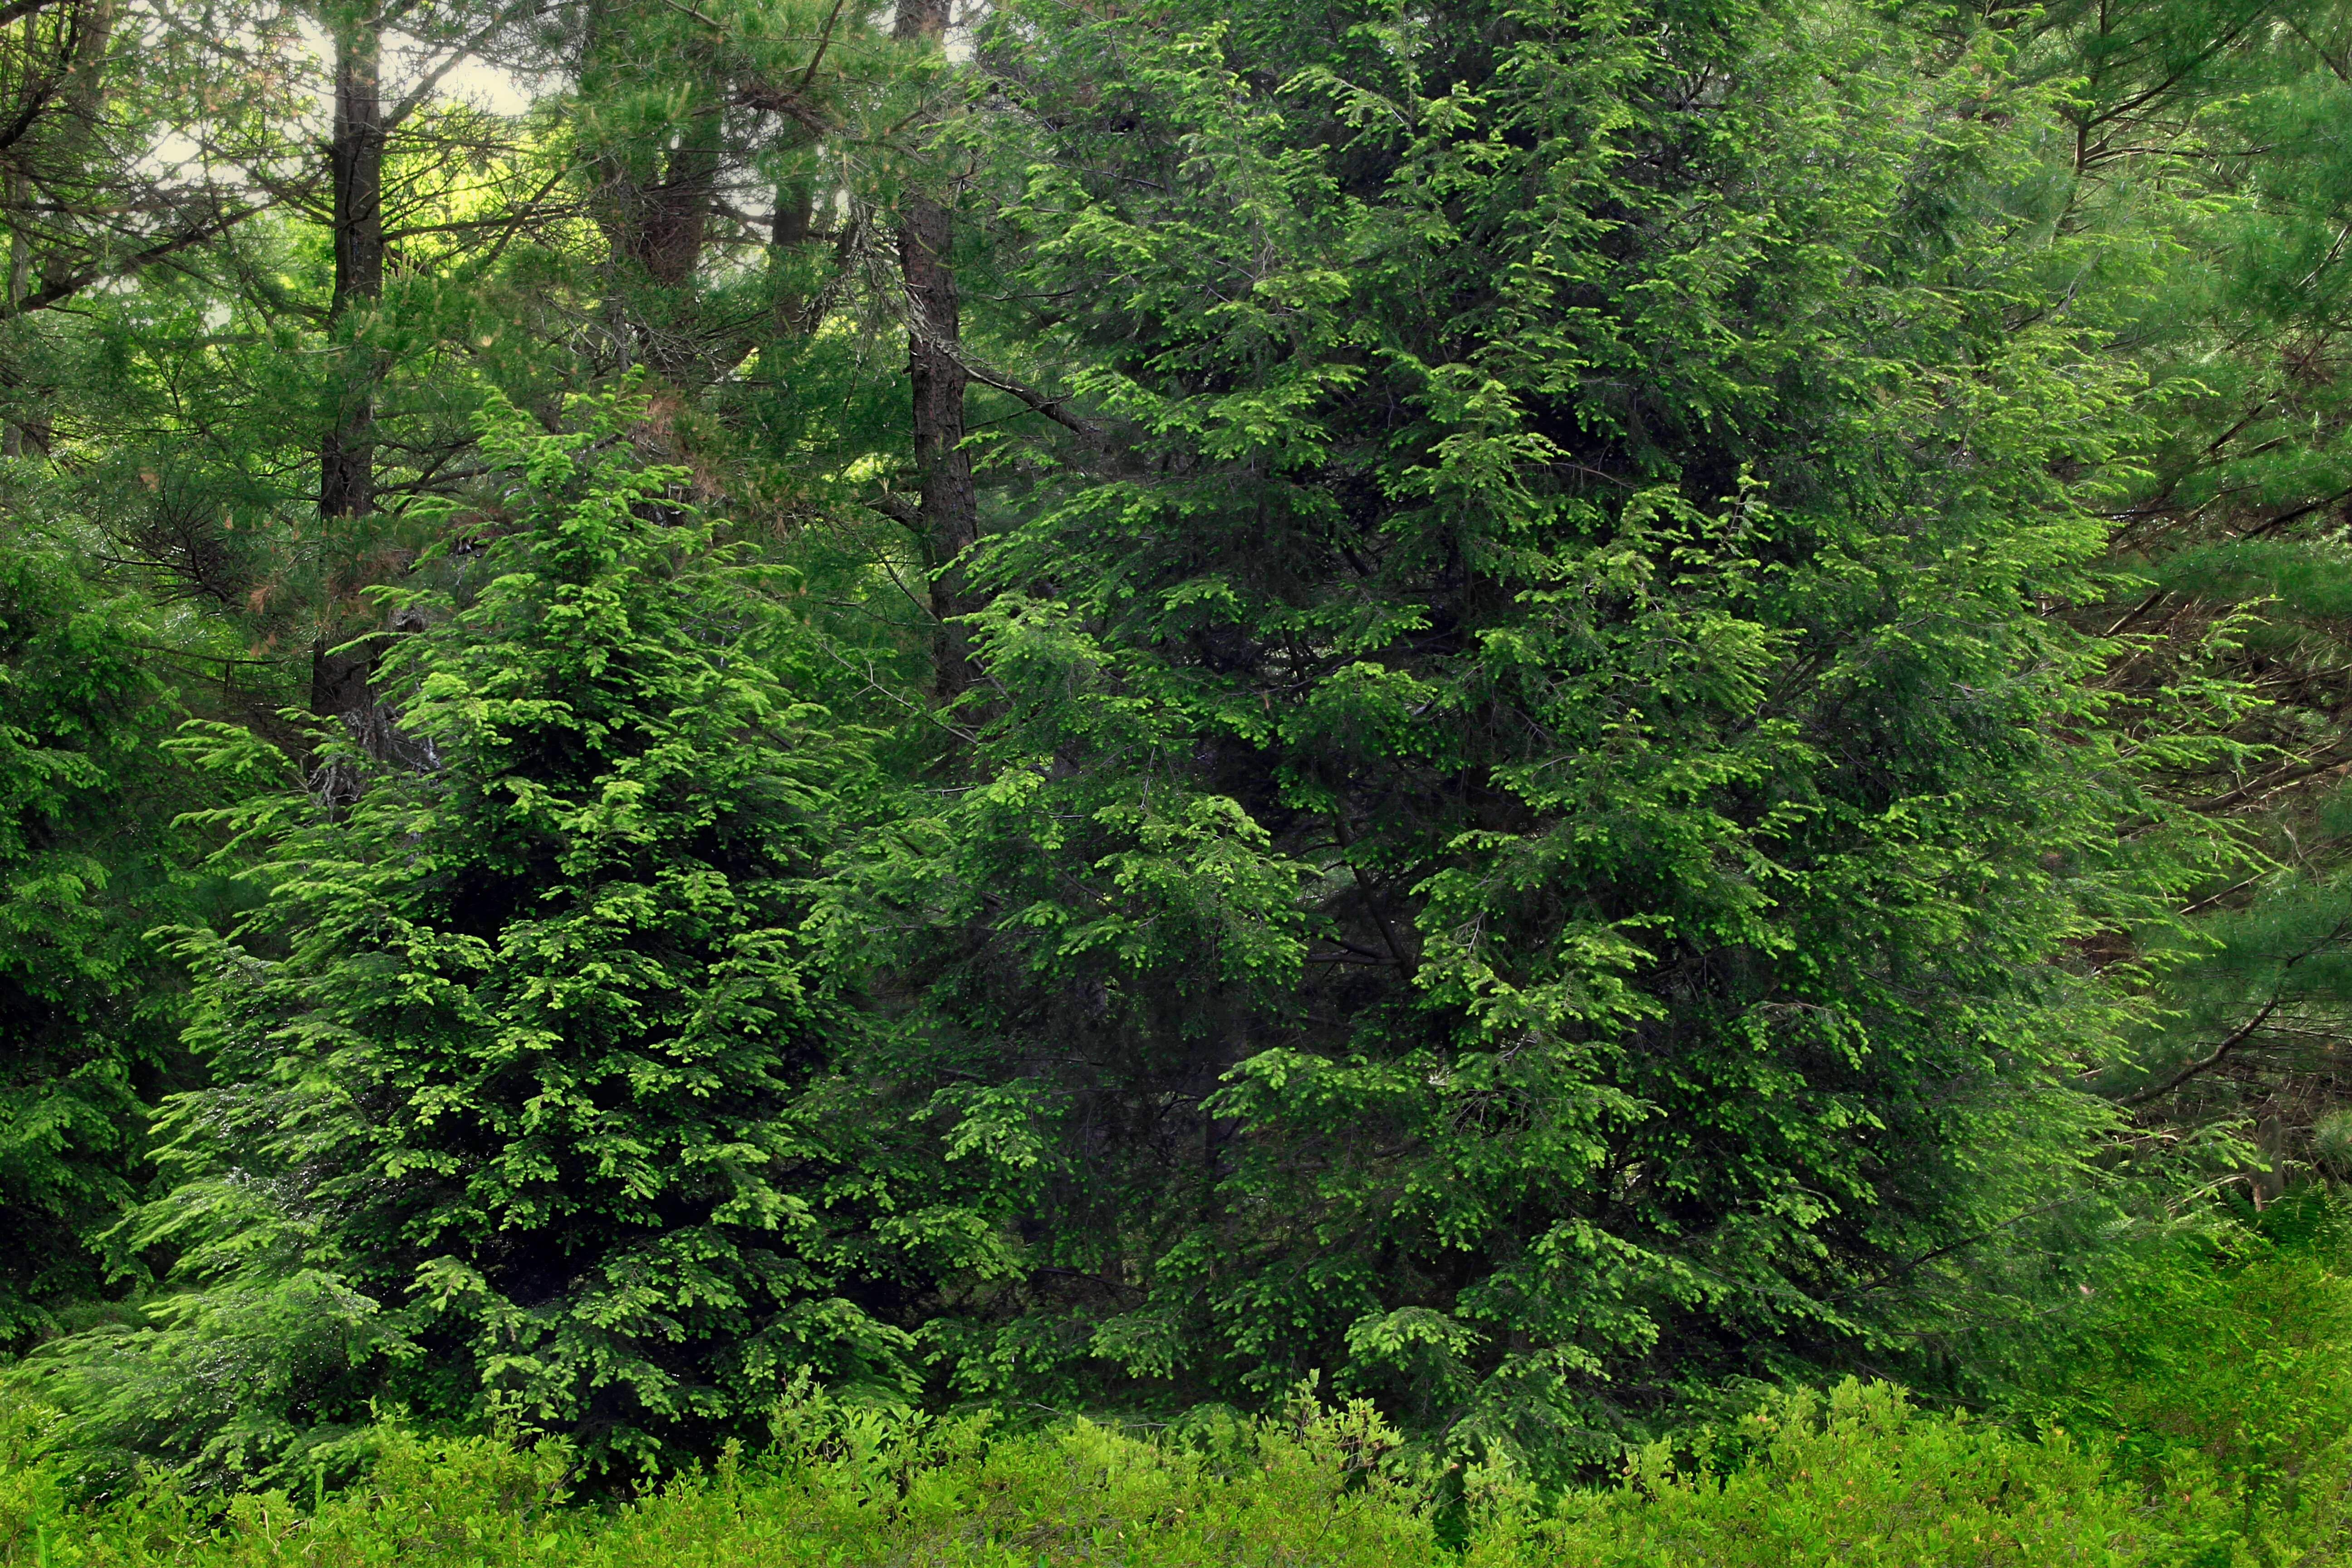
2215	127
525	1105
89	862
1537	837
1581	663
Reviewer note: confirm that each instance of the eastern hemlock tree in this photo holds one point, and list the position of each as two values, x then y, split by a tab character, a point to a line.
528	1106
1536	845
89	861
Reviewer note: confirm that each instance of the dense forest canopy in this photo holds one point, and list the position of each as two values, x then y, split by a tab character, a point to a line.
1541	707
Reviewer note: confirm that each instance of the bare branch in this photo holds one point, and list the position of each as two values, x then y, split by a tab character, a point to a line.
823	38
67	288
2238	1036
1051	407
19	9
416	96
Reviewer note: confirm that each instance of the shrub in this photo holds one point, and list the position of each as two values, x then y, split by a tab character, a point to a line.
1857	1476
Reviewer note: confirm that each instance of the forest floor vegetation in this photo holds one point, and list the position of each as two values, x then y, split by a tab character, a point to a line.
2203	1417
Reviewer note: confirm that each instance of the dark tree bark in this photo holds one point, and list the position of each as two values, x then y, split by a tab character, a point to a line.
17	192
950	512
339	684
341	670
665	222
794	225
654	206
355	166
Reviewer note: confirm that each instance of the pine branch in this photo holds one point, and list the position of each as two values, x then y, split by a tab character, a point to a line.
2205	1064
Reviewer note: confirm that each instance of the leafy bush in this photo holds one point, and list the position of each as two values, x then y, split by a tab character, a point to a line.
1855	1476
1858	1476
2230	1360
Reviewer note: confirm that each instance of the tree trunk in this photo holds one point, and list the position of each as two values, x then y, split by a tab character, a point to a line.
340	675
949	514
18	194
652	202
669	217
355	156
788	234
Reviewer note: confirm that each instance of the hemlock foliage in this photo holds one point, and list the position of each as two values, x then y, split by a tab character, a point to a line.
1542	707
528	1100
92	862
1535	816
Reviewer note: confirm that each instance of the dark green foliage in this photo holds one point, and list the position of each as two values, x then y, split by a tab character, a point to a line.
88	1007
1649	697
527	1107
1532	812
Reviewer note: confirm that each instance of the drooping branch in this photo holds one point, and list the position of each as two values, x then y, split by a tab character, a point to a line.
1053	408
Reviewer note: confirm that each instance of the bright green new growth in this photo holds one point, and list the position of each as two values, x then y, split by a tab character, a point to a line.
1830	1481
526	1106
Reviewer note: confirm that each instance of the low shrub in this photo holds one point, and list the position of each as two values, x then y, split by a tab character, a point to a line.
1854	1477
2234	1352
2205	1422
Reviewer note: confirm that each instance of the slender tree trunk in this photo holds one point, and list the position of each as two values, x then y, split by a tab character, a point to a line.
347	452
949	513
338	674
17	191
795	223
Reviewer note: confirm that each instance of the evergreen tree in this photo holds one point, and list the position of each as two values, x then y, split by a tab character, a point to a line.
525	1107
2217	128
88	1007
1612	694
2204	133
1533	839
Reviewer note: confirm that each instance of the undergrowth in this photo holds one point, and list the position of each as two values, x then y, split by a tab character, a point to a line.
2202	1421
